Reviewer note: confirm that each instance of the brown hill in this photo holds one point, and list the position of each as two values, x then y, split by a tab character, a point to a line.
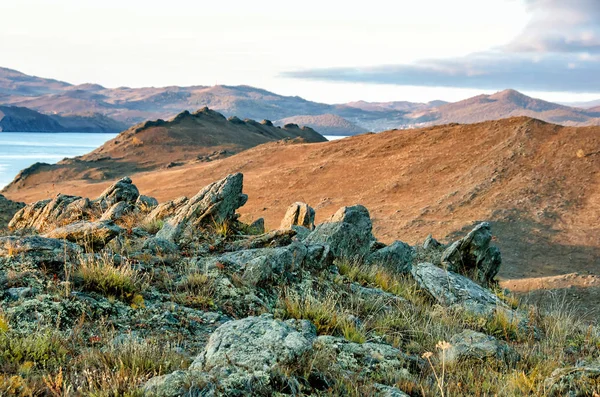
199	137
508	103
326	124
538	183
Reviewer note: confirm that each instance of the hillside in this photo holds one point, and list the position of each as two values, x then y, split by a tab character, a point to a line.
326	124
202	136
19	119
508	103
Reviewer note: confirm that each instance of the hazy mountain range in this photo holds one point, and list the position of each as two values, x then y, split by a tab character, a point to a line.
128	106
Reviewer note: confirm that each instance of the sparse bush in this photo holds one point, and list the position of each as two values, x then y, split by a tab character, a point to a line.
102	276
153	226
196	290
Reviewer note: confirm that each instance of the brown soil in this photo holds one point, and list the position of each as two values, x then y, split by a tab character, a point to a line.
538	184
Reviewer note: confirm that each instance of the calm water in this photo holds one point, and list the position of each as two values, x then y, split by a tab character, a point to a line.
19	150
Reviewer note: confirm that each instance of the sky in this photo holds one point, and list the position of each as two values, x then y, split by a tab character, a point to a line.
327	51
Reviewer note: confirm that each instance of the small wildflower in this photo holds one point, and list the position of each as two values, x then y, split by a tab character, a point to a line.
427	355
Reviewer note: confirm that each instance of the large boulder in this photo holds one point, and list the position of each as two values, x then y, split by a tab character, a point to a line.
47	214
299	214
397	256
117	211
216	203
122	190
348	233
39	249
452	289
94	235
146	203
256	344
479	347
473	256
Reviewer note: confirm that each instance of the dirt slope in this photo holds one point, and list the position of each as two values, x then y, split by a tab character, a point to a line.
538	183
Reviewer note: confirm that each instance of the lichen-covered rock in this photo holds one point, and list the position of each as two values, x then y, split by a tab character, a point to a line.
146	203
256	344
473	256
397	256
451	289
166	210
216	203
299	214
122	190
258	226
181	383
431	243
348	233
275	238
160	246
46	214
39	249
475	345
8	209
117	211
94	235
579	381
388	391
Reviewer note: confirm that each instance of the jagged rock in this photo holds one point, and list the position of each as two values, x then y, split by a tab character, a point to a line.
473	256
146	203
87	234
299	214
397	256
431	243
256	344
39	249
166	210
117	211
46	214
275	238
159	246
348	232
475	345
362	358
258	226
181	383
217	202
578	381
122	190
451	289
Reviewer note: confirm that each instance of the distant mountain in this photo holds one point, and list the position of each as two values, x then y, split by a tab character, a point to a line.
202	136
504	104
583	105
134	105
326	124
19	119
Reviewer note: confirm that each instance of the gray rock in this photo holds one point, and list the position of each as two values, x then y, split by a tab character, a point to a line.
160	246
347	233
475	345
431	243
117	211
451	289
397	256
388	391
39	249
217	202
166	210
94	235
299	214
256	344
122	190
20	292
275	238
301	232
258	226
181	383
46	214
146	203
473	256
578	381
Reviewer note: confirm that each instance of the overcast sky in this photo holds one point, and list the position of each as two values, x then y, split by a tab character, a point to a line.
329	51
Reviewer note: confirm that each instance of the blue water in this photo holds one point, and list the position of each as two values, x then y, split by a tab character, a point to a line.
19	150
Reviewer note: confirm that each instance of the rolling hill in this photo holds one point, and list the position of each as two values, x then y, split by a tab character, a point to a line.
326	124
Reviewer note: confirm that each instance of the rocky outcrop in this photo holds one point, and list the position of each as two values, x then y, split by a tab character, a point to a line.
146	203
121	191
94	235
473	255
299	214
216	203
46	214
275	238
454	290
117	211
347	233
471	345
577	381
38	249
397	256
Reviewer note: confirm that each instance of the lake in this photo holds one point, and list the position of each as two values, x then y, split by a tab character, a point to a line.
18	150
